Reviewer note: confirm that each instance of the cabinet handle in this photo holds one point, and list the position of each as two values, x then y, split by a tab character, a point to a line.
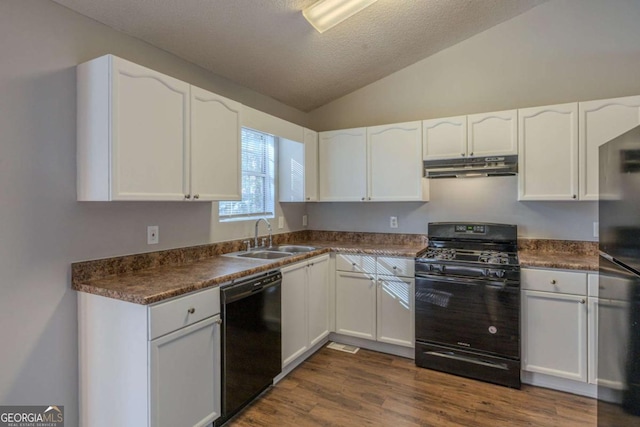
196	196
187	196
582	301
553	282
191	310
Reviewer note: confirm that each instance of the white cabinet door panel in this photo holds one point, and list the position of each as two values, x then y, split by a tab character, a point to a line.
601	121
215	146
395	162
150	131
395	311
294	312
310	165
554	334
356	305
444	138
343	165
491	134
318	297
548	153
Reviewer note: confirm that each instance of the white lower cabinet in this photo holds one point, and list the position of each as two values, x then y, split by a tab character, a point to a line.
375	306
305	306
554	323
151	366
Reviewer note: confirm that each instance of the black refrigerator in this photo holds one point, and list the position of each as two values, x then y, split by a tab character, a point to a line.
618	302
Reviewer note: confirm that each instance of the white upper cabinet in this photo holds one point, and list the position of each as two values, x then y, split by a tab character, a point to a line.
548	152
491	134
601	121
310	165
342	156
134	136
215	146
298	168
444	138
395	162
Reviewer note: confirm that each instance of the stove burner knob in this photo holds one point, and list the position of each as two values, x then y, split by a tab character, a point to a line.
500	273
438	267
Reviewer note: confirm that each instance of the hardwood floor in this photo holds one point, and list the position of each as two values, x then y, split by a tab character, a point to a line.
333	388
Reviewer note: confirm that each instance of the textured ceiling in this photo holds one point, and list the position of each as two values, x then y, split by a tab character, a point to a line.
268	46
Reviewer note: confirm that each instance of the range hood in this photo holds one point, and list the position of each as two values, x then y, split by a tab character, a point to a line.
471	167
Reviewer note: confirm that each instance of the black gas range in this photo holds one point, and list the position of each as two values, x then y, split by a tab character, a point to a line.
468	302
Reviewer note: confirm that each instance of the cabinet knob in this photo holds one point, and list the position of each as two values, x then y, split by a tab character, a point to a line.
369	198
462	154
308	198
470	154
218	321
362	199
574	197
553	282
191	310
395	268
582	301
187	196
353	264
196	196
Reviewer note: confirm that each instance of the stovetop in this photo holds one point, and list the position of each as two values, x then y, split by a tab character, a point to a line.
461	255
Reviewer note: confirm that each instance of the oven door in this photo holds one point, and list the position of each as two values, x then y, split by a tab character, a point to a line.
473	314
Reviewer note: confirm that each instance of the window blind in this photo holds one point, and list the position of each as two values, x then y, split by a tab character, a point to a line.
258	178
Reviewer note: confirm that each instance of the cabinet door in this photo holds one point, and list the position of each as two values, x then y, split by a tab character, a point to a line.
294	312
343	165
310	165
491	134
356	305
395	162
291	170
608	342
548	153
395	310
215	147
150	134
318	299
185	375
554	334
444	138
601	121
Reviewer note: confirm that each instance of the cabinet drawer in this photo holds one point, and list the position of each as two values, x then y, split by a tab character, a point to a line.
175	314
395	266
356	263
564	282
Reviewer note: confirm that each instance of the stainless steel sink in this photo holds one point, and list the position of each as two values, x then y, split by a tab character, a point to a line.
292	248
266	254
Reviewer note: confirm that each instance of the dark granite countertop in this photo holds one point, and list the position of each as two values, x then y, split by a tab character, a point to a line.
562	254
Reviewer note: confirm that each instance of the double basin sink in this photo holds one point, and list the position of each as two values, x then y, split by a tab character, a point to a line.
274	252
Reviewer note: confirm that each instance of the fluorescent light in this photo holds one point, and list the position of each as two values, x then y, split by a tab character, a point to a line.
326	14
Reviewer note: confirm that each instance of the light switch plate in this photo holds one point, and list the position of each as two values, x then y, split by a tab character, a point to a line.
153	235
305	220
280	222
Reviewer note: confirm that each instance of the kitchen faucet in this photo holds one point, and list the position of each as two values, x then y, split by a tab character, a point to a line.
255	240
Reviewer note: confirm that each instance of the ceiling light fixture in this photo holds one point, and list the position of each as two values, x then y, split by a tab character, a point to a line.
326	14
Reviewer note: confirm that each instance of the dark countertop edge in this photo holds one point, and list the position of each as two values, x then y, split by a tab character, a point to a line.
554	262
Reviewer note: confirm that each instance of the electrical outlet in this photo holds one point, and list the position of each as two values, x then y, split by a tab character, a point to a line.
153	235
305	220
596	231
280	222
393	222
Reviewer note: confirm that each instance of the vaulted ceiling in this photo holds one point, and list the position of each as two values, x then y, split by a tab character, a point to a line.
268	46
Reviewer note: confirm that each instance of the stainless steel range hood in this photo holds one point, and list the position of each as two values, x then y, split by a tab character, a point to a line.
471	167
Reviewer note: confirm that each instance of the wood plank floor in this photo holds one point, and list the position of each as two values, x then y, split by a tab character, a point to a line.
333	388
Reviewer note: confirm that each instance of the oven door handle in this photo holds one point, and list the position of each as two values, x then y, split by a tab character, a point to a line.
464	280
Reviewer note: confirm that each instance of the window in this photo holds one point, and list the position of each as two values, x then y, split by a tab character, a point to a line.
258	171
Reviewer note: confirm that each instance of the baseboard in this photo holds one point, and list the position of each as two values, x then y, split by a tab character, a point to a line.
381	347
560	384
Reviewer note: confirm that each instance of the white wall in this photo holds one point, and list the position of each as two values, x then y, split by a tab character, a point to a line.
560	51
42	227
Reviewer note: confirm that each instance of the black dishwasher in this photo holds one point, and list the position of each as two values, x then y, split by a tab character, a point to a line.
251	340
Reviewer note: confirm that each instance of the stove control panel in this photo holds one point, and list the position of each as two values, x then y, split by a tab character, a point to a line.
470	229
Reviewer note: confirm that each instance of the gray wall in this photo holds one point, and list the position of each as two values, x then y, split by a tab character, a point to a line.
560	51
42	227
